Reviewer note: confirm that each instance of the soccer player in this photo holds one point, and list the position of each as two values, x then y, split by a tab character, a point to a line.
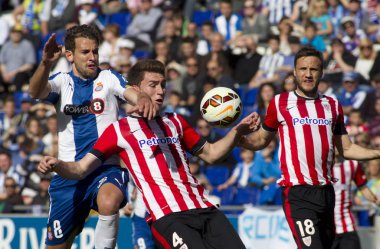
309	125
154	152
86	101
346	172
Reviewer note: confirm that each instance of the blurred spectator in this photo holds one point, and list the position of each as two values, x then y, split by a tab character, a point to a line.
174	105
187	49
8	169
254	22
7	116
174	77
216	71
125	52
288	65
265	172
56	16
373	176
228	23
109	48
241	175
86	13
317	13
123	64
168	8
312	38
268	64
338	61
336	13
351	97
172	40
325	87
266	92
246	63
274	10
192	82
366	58
369	104
109	7
42	197
289	83
373	29
161	51
217	53
50	139
360	16
144	25
374	121
203	45
27	15
4	27
24	113
352	35
195	170
13	196
17	60
135	5
285	29
355	125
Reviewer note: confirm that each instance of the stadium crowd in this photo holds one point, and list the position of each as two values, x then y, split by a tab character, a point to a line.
245	45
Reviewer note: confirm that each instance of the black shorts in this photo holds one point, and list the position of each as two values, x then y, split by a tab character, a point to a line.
196	229
309	211
349	240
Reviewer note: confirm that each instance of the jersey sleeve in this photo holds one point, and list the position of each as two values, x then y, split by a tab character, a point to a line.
106	145
55	82
271	121
119	86
360	178
340	128
192	141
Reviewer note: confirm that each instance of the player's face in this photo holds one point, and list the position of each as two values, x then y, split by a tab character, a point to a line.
85	58
308	72
154	84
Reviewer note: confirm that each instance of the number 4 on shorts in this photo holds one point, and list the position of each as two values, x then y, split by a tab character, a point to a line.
177	241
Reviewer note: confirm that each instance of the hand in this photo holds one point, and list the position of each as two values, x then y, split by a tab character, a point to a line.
144	106
222	187
47	164
51	51
128	209
249	124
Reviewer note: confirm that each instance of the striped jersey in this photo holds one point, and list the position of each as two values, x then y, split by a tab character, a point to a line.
154	152
306	129
84	109
346	172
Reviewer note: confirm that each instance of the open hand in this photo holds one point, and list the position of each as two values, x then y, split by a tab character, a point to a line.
51	51
144	106
248	124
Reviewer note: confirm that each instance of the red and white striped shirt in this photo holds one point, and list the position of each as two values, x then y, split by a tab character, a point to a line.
306	130
154	153
346	172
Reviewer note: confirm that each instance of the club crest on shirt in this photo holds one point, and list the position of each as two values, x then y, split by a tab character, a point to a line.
49	233
99	87
327	107
307	240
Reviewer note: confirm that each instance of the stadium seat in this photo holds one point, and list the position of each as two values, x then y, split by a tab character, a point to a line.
217	174
121	18
247	195
201	16
249	97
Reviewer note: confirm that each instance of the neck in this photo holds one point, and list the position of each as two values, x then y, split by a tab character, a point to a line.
308	96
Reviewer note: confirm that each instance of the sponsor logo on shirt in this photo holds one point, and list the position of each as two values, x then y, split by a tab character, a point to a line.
311	121
96	106
157	141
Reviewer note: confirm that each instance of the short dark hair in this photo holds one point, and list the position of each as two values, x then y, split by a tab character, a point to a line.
137	71
308	51
5	152
83	31
274	37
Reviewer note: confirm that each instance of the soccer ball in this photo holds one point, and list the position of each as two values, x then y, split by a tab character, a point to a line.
221	107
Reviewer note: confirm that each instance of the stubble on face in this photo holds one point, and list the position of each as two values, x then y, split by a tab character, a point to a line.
308	72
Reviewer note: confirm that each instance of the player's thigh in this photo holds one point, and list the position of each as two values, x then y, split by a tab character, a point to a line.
220	233
176	234
68	211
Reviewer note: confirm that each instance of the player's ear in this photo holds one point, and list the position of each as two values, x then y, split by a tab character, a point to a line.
69	56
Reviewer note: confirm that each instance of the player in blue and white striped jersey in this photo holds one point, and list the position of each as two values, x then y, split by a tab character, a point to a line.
86	100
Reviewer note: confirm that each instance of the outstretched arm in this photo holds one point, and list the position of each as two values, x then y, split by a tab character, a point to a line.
213	152
369	195
353	151
38	86
257	140
70	170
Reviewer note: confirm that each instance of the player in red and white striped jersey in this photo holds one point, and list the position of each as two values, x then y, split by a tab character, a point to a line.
309	126
154	152
346	172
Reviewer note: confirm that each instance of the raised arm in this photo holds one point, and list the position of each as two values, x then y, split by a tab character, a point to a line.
70	170
353	151
141	102
257	140
38	86
213	152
